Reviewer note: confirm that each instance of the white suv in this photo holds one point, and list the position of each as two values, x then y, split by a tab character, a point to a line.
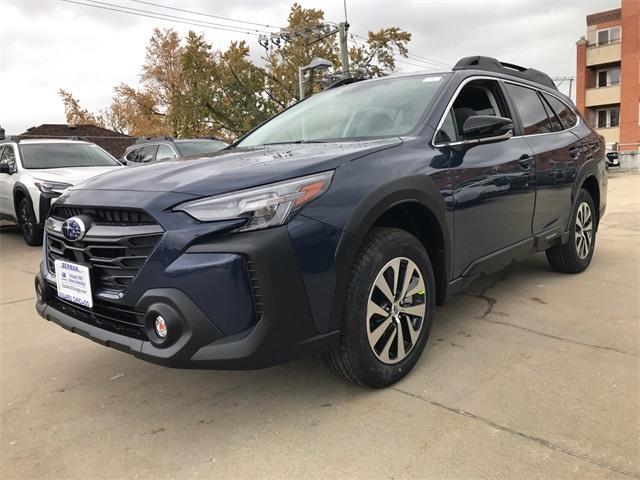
33	173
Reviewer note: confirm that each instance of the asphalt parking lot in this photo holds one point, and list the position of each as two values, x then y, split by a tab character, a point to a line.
529	374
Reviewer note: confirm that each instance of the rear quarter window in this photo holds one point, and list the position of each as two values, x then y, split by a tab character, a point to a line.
564	113
532	112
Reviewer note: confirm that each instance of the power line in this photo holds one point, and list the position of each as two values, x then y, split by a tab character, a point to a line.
204	14
433	63
429	61
438	62
132	9
160	16
401	59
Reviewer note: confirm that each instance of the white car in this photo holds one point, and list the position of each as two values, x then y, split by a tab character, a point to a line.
33	173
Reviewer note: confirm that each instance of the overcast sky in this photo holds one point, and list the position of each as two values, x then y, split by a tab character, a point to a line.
50	44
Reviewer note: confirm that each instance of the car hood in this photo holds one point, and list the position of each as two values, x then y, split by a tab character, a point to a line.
237	168
70	175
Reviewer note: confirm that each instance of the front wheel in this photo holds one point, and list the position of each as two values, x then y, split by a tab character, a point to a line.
575	256
31	231
388	309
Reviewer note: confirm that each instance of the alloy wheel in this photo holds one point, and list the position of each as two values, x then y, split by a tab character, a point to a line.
396	310
584	230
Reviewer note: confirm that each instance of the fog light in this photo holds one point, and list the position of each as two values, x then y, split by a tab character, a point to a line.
160	326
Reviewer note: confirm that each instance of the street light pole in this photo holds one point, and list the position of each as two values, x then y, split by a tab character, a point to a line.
300	83
316	63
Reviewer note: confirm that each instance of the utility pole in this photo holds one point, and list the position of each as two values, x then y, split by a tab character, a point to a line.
311	35
570	86
344	49
560	80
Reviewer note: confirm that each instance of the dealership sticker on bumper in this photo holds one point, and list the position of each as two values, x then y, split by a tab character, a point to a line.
74	283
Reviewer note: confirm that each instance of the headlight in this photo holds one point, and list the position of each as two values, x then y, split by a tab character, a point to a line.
263	207
46	186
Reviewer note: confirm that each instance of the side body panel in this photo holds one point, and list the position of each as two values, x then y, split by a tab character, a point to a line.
494	197
557	157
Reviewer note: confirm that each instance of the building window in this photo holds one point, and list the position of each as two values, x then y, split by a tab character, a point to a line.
609	77
609	35
608	117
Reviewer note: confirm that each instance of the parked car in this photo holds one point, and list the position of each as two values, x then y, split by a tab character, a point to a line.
613	159
151	150
33	173
334	228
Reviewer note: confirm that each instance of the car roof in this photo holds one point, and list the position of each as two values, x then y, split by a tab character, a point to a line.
480	66
156	141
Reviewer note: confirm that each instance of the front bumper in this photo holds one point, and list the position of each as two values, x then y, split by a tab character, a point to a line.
196	292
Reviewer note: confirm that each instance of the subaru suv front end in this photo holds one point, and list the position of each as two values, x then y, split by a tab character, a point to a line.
333	228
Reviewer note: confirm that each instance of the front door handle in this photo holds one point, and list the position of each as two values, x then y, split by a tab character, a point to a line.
526	161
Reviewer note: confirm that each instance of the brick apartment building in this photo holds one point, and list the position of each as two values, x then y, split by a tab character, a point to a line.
608	75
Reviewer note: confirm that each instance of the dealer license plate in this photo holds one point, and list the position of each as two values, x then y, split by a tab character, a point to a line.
74	283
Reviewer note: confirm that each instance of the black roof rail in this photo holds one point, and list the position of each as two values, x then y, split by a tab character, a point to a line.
153	139
479	62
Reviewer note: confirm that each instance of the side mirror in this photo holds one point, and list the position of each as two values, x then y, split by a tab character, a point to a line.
6	168
486	128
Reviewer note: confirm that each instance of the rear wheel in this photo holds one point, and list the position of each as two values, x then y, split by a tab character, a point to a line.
575	256
387	312
31	231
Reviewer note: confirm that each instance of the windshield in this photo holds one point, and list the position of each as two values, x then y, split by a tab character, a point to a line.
63	155
383	108
200	147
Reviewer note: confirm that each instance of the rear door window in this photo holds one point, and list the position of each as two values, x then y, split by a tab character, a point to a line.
165	152
532	112
147	154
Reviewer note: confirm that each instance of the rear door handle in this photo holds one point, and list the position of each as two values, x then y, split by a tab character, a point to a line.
526	161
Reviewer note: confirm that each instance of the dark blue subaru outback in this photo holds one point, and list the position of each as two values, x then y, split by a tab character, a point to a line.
334	228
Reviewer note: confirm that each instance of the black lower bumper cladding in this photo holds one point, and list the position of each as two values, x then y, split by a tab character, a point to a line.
285	330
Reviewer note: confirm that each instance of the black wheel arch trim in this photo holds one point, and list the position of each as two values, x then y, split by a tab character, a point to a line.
588	169
20	187
418	189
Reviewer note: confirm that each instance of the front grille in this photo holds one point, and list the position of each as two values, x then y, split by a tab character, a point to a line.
114	260
126	322
104	216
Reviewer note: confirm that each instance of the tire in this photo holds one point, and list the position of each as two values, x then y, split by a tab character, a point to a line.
575	256
359	357
31	231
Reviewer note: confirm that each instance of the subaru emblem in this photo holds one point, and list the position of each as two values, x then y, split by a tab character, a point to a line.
73	229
